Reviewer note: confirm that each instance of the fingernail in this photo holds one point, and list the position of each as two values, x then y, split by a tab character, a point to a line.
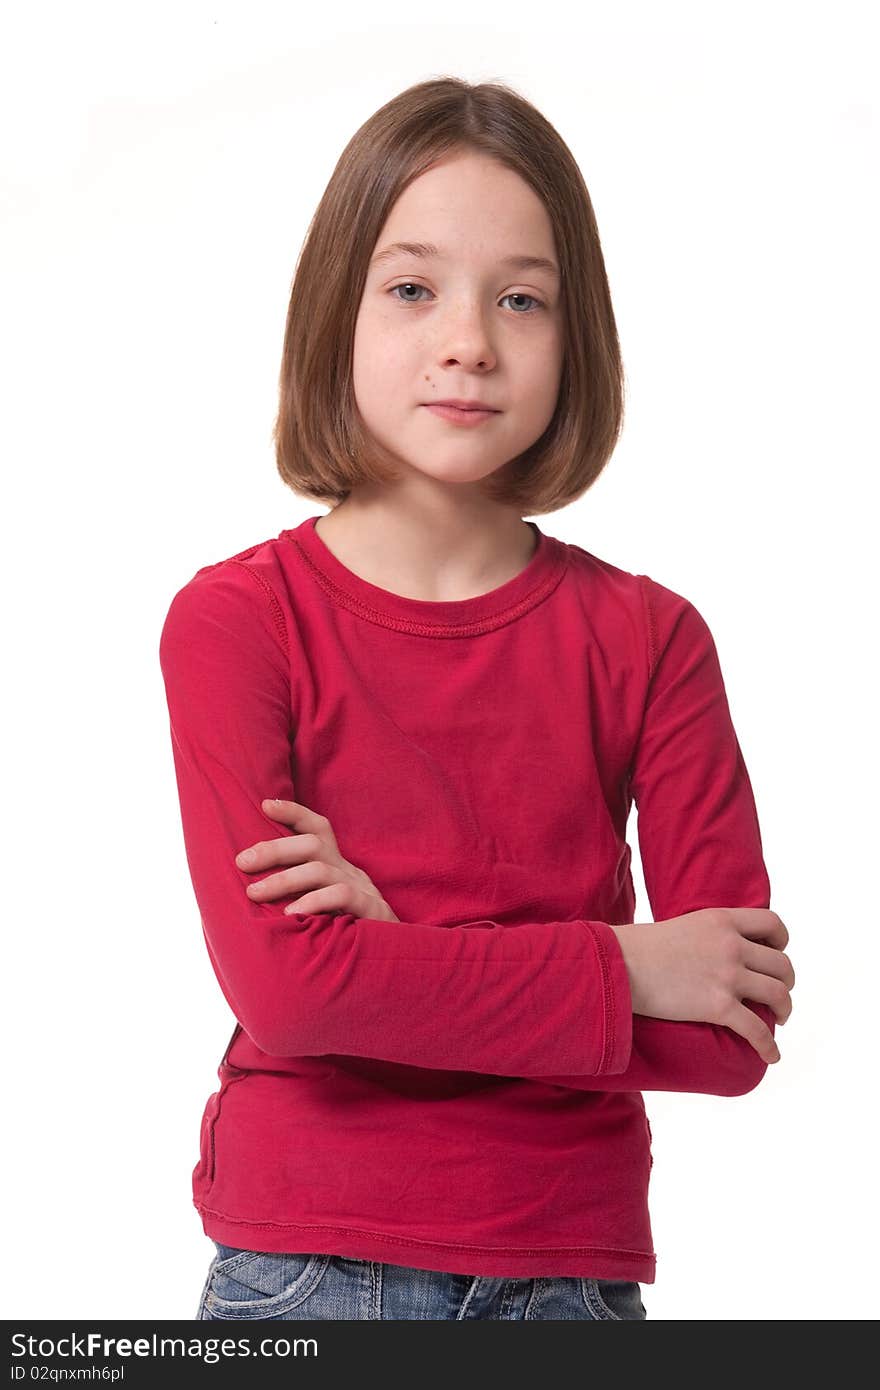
247	856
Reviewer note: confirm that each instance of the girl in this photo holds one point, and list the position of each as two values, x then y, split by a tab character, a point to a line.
430	1105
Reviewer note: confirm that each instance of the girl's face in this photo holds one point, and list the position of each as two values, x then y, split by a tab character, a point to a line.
461	323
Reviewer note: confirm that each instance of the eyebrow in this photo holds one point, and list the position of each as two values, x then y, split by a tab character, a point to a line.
425	249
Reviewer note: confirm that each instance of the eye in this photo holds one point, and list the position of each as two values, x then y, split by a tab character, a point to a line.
411	285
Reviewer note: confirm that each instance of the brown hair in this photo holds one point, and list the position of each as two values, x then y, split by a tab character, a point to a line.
322	447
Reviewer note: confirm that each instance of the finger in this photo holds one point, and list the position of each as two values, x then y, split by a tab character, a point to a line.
755	1031
296	814
768	961
285	849
295	880
767	990
303	819
761	924
277	808
249	858
334	897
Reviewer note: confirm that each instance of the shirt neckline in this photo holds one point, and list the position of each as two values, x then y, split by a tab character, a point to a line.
429	618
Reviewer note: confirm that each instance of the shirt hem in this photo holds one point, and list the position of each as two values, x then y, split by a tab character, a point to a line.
590	1261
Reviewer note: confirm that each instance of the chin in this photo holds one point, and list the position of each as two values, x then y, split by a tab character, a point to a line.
456	474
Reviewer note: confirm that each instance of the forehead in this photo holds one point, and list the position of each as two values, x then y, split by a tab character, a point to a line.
469	207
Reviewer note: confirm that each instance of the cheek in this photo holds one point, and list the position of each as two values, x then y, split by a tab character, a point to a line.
535	363
546	368
383	354
383	377
378	323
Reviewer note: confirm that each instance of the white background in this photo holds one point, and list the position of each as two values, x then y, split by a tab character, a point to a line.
160	165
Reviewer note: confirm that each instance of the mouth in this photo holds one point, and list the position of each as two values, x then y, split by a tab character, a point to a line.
466	405
461	415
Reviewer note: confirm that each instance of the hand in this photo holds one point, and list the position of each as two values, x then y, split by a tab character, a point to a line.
337	885
701	966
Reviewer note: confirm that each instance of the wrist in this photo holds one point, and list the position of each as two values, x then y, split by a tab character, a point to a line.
628	937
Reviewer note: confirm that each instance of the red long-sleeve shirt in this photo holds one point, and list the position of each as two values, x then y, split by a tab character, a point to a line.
459	1090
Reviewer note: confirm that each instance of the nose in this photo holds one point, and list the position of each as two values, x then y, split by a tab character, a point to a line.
464	337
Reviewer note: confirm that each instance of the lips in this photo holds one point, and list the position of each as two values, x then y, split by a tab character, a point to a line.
468	418
464	405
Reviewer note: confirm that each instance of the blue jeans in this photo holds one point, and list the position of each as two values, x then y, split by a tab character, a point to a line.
251	1284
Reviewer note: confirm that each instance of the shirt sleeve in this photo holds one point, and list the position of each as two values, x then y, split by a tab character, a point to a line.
699	840
548	997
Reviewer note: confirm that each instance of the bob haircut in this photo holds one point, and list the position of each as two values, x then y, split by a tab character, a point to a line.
322	446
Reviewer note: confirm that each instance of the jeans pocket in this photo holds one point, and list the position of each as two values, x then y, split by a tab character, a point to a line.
618	1299
260	1284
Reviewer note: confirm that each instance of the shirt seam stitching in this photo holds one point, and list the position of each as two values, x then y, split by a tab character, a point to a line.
609	1030
650	624
473	628
275	607
434	1244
